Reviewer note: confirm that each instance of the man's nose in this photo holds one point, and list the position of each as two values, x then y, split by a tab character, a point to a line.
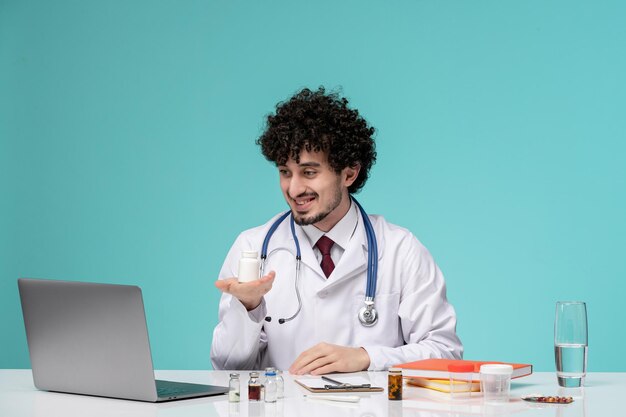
296	186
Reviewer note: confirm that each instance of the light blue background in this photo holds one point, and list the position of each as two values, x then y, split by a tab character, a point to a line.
127	152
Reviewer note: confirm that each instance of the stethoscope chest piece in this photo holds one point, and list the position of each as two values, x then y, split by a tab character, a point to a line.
368	315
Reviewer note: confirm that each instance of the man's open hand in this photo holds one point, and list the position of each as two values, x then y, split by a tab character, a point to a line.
249	293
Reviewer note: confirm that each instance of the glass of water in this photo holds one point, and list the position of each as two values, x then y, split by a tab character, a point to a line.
570	343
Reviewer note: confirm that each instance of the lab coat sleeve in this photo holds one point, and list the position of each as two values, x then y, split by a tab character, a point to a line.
427	320
238	339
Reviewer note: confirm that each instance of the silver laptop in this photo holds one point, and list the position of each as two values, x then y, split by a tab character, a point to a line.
92	339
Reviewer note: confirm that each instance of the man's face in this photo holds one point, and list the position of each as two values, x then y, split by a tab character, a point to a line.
314	191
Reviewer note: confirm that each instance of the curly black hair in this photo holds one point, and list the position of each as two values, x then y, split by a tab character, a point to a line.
316	121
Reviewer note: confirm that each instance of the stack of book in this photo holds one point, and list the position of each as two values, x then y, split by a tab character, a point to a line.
434	374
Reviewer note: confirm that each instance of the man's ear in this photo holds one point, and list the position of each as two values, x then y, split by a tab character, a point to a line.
350	174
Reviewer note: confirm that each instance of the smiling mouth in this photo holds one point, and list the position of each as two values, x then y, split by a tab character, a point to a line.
303	203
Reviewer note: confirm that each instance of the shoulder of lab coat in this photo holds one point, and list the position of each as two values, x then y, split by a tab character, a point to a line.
427	320
238	339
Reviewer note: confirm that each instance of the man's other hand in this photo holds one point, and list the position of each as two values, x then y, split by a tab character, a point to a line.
325	358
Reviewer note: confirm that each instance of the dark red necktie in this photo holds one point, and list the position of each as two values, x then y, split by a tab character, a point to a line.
324	245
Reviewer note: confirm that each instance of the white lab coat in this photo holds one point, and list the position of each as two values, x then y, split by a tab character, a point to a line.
415	320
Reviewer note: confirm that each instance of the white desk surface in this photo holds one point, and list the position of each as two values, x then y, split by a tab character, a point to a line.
602	395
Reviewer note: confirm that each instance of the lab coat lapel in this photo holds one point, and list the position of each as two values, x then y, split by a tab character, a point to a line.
355	258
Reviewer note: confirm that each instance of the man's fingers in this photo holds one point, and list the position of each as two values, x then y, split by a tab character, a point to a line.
233	286
225	284
300	361
269	277
314	367
307	357
326	369
324	358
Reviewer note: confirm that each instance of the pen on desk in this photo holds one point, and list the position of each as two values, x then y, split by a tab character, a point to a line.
334	381
342	385
342	398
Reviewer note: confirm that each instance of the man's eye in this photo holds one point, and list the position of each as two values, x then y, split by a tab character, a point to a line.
283	172
309	173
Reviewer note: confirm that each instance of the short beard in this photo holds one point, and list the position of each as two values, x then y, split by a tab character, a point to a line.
305	221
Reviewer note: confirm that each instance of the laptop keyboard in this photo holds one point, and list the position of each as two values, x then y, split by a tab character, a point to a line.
174	389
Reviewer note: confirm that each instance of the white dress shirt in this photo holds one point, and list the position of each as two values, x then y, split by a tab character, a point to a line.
341	234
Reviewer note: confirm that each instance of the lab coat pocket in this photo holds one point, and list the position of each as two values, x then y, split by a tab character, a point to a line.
387	331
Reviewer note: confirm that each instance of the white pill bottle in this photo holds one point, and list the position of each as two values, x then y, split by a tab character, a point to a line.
249	266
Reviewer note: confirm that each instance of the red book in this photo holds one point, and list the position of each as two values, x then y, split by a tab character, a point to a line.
438	368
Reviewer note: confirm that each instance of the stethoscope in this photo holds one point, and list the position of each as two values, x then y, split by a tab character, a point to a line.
368	315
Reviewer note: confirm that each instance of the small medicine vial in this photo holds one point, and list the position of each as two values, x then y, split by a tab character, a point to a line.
254	387
270	385
249	266
280	385
394	387
233	388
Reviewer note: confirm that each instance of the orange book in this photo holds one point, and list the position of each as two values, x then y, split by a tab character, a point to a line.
438	368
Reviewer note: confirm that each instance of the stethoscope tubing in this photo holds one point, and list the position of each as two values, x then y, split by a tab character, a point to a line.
271	231
372	261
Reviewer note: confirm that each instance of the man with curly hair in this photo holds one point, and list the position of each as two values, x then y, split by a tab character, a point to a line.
324	151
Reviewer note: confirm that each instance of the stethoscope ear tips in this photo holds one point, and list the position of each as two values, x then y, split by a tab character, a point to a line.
280	321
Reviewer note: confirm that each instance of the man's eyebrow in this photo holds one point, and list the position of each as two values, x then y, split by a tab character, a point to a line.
302	165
